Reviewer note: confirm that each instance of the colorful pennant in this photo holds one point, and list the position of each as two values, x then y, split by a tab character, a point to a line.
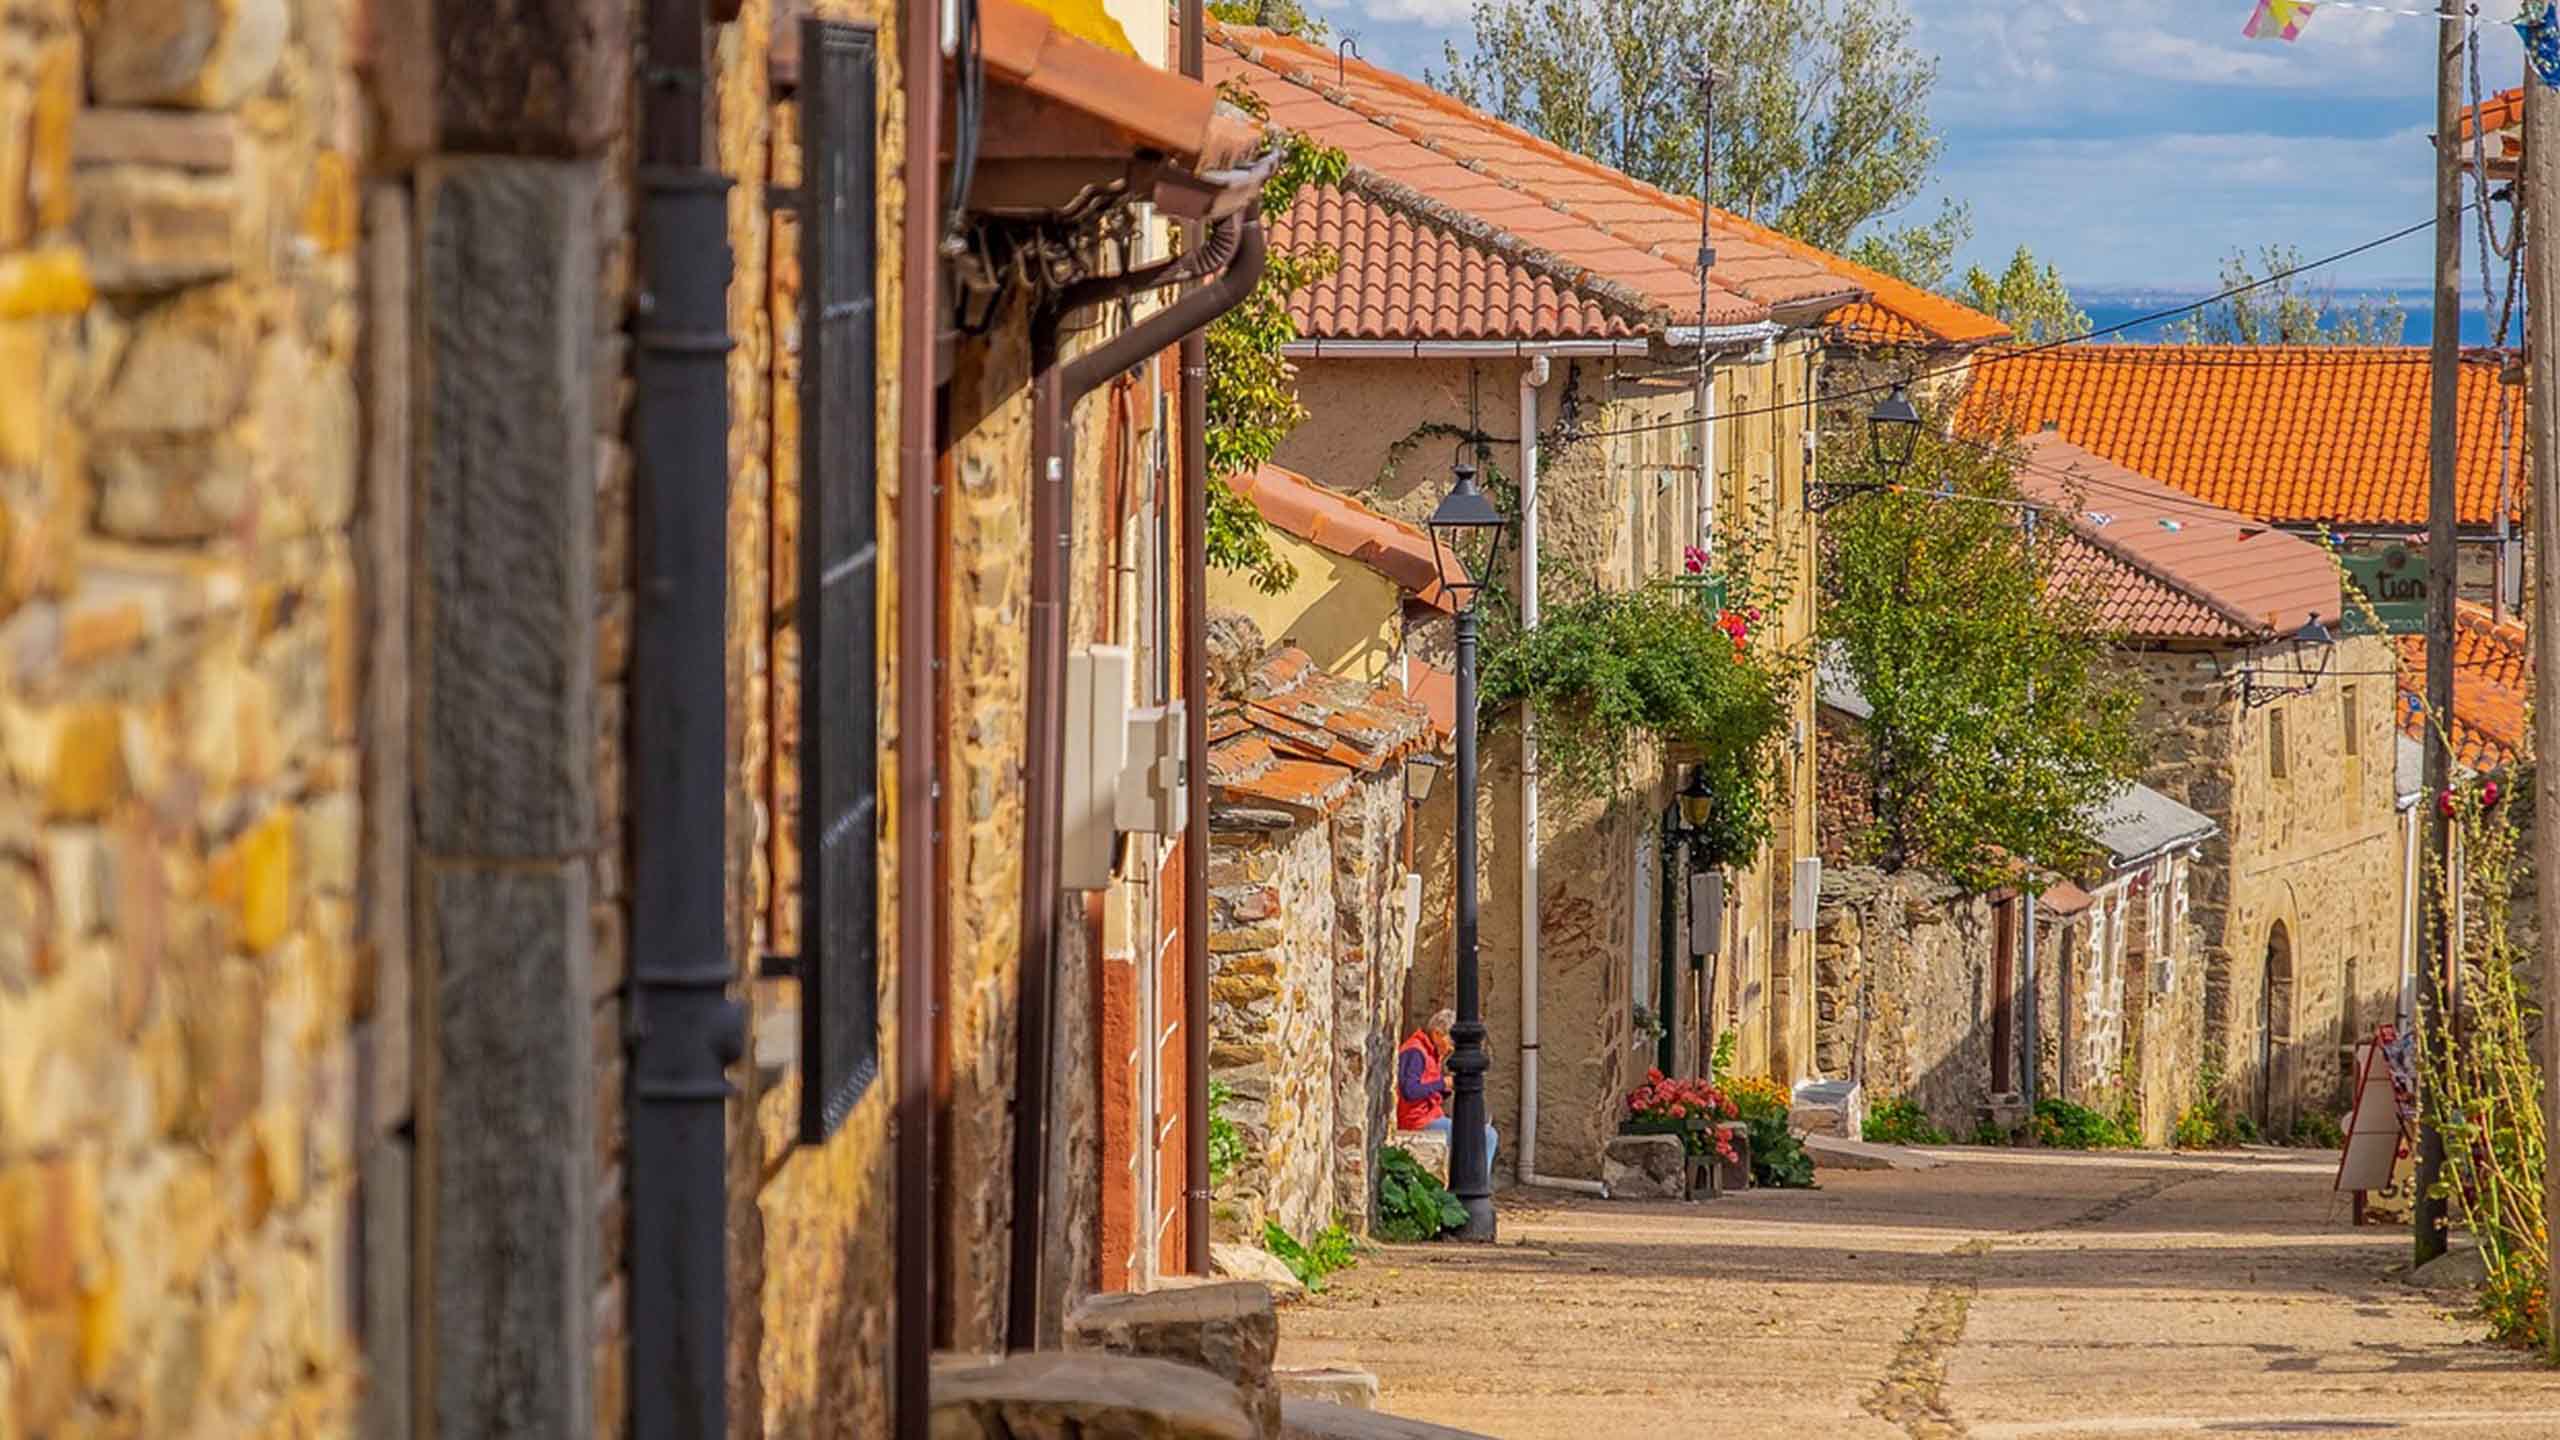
2278	20
2541	32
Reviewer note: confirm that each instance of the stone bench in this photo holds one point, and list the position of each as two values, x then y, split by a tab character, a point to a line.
1429	1149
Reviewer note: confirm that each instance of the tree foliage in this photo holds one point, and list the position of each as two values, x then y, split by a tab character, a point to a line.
2028	298
1821	114
1251	392
1286	16
1998	727
2280	311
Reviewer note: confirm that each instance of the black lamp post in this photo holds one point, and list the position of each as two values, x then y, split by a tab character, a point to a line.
1463	534
1893	431
1681	825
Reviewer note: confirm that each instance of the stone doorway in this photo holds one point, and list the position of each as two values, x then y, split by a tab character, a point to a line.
2276	1038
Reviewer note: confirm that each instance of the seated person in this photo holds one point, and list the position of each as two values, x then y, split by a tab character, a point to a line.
1422	1092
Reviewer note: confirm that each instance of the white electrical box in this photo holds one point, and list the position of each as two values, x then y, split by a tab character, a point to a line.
1706	912
1808	894
1125	768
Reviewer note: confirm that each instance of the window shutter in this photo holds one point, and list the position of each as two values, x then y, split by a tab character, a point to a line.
839	962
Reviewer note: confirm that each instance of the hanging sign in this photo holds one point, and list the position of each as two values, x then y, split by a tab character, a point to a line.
2393	581
2278	20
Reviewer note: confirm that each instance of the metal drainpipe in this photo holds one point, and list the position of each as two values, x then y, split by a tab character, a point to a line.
919	737
1235	251
1195	743
683	1028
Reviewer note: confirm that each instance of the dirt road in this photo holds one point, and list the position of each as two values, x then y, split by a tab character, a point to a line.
2003	1294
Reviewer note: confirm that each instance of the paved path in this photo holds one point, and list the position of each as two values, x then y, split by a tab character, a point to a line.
2004	1294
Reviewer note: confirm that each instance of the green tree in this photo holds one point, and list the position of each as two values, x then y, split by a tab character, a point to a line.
1821	114
1252	394
1998	726
2279	311
2028	298
1286	16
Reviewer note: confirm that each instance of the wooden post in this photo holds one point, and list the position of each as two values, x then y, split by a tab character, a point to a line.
2443	580
2538	183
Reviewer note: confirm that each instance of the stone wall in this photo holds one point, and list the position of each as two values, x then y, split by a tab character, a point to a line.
1272	932
1907	974
2297	903
183	941
1372	953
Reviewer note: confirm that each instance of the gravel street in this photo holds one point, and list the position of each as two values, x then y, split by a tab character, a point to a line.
2003	1294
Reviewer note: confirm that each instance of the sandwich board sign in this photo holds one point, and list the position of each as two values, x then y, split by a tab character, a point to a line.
2375	1160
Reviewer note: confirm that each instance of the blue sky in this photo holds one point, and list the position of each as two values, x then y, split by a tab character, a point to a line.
2136	142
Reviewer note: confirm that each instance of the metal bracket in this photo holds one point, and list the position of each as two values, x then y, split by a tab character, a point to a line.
1821	495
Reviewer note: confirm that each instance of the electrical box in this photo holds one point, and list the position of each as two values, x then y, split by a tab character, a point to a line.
1125	767
1706	912
1155	788
1097	755
1808	894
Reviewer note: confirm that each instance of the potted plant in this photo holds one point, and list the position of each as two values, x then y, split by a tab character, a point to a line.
1690	1109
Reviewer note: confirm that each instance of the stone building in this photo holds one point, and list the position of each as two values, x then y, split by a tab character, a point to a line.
2287	747
1311	916
1491	286
420	430
1928	993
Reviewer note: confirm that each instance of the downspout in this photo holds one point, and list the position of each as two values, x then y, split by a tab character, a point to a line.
1235	252
1195	745
1531	378
919	734
682	1028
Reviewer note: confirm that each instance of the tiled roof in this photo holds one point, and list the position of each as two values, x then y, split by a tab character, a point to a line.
1895	312
2501	118
1072	55
1299	737
2328	434
1549	198
2492	680
2171	567
1401	278
1334	521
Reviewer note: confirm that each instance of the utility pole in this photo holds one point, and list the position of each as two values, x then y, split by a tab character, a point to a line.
2427	1208
2538	182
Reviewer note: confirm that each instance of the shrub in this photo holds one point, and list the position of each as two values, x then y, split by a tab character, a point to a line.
2212	1122
1226	1143
1412	1203
2318	1130
1901	1121
1778	1158
1332	1249
2063	1125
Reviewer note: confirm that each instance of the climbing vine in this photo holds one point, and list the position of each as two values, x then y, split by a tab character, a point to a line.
1251	392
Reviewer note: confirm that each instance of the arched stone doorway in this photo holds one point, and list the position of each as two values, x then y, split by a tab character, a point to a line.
2276	1038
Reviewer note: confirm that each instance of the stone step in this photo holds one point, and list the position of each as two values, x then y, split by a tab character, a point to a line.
1830	1152
1344	1385
1316	1420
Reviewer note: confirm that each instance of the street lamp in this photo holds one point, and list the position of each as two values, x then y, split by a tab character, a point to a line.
1893	431
1421	773
2308	652
1464	532
1697	802
1683	824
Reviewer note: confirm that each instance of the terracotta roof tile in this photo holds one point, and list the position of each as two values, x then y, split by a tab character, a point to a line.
1352	104
2501	118
2223	566
1300	736
1056	57
2132	602
1334	521
2492	681
1403	278
1584	212
2295	434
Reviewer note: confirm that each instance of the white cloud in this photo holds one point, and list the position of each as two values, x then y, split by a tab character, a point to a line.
1439	14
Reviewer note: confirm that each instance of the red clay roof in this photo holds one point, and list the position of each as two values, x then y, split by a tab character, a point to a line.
1334	521
1151	109
2130	601
1401	278
1895	312
1567	202
2492	680
2328	434
2233	577
1299	736
2501	116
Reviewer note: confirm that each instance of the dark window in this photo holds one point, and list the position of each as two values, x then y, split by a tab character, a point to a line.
839	574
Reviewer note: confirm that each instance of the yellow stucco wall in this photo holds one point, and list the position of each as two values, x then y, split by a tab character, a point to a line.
1347	617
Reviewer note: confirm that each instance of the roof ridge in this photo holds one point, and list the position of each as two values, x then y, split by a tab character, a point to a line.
1476	230
2155	350
2160	574
1342	98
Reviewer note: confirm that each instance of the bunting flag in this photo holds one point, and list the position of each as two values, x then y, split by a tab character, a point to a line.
2278	20
2541	32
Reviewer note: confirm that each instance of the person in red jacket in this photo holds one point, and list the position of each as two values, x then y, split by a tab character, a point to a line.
1422	1090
